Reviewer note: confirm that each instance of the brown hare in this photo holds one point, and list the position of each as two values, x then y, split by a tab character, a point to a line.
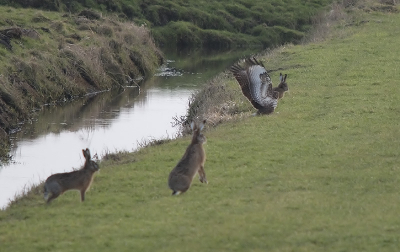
80	180
192	162
256	85
282	87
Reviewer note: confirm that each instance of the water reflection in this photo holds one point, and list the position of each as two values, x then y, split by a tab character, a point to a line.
106	122
110	121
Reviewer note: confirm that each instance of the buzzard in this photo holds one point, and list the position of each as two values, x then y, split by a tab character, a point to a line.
256	85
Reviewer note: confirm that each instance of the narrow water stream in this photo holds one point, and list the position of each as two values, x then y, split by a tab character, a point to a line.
107	122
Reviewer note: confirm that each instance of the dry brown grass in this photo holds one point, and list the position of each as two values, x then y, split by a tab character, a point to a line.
218	101
324	21
28	195
338	14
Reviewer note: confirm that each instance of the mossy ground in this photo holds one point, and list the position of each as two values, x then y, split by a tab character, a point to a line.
320	174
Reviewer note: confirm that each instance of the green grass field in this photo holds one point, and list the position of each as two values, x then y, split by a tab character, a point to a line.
320	174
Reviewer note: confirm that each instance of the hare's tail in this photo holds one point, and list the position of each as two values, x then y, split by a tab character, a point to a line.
176	192
45	193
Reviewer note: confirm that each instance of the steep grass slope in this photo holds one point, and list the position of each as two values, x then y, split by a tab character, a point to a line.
320	174
215	23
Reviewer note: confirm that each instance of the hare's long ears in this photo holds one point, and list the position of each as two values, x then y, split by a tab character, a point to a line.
193	125
86	154
201	126
282	78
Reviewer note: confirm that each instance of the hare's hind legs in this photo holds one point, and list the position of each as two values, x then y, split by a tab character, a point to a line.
52	189
53	196
178	183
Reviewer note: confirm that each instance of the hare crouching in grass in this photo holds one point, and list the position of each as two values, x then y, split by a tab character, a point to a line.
192	162
282	87
57	184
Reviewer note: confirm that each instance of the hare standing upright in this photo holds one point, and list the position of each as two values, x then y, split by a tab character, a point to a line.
80	180
282	87
192	162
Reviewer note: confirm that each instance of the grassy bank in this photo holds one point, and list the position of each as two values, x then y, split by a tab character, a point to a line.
320	174
48	57
214	23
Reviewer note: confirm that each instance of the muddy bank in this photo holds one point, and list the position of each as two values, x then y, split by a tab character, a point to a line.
53	58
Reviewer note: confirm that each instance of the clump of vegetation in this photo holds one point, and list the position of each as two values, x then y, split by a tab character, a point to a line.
217	101
47	57
213	23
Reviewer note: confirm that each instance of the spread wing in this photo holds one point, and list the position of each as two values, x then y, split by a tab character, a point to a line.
256	85
242	78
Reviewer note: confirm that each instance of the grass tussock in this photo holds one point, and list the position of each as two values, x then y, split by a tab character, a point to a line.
219	101
59	57
119	157
320	174
28	195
